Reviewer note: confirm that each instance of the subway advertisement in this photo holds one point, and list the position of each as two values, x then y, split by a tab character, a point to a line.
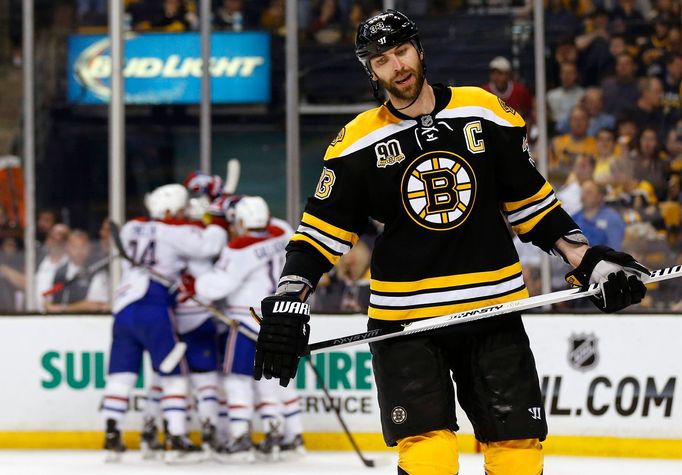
166	68
611	384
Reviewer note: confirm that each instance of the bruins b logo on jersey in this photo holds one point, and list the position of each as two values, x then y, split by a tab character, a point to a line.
438	190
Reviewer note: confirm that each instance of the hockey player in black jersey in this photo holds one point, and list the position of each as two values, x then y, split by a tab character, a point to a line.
442	168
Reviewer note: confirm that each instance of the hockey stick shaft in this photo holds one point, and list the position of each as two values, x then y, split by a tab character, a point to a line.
232	176
320	380
93	268
489	311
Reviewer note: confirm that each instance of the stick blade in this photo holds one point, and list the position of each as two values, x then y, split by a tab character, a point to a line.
232	176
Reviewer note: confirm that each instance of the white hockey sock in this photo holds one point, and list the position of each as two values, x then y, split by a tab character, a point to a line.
152	406
223	426
239	392
206	389
293	423
116	396
269	406
174	403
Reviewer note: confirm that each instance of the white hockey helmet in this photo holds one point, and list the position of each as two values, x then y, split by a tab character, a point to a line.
251	212
197	207
166	199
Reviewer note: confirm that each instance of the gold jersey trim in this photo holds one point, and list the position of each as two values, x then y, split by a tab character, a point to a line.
440	310
434	283
470	98
330	229
511	206
328	255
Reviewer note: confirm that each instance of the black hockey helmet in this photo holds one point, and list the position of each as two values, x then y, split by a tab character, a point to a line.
382	32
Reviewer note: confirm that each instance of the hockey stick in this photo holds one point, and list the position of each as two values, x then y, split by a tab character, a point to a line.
367	462
232	176
90	270
428	324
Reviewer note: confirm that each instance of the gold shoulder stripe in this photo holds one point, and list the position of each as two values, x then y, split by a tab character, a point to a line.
526	226
330	229
328	255
447	281
437	311
363	125
472	97
539	196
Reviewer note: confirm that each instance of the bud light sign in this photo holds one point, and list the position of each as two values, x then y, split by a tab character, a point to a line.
165	68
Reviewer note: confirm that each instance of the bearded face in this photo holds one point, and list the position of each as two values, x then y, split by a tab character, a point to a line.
400	72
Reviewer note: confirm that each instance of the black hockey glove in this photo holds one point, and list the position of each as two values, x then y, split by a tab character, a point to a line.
283	337
619	275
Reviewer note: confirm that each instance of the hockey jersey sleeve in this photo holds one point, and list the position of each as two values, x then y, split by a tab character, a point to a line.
334	217
194	242
527	199
226	276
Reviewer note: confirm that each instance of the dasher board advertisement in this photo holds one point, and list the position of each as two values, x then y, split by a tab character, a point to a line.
166	68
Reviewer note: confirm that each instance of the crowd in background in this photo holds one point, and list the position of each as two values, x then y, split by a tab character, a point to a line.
63	255
614	105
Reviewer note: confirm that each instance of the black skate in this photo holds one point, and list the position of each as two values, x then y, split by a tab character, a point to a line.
150	446
179	449
209	439
269	449
294	448
113	443
240	450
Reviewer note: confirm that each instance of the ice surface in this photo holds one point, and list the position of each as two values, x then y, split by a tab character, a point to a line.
66	462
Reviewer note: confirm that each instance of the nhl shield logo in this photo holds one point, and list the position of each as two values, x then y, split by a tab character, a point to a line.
582	351
427	120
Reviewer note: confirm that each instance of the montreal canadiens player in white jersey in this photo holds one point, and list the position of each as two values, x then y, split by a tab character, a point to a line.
144	315
246	270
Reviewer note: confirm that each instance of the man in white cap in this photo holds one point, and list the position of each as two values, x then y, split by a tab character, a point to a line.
513	93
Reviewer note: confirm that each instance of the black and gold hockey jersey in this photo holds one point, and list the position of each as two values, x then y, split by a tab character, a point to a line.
441	184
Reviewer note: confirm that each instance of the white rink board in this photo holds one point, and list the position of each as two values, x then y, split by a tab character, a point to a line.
632	390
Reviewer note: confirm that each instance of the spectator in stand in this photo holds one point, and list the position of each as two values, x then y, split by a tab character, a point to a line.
592	103
273	18
671	209
55	246
667	9
648	111
327	22
651	163
230	16
89	293
673	148
173	16
560	21
601	225
91	12
512	92
617	46
652	52
606	153
569	194
626	135
12	279
565	52
103	246
634	199
628	20
621	90
593	46
562	99
566	147
672	80
46	219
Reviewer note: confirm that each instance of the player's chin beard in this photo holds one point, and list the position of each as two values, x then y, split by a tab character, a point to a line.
410	94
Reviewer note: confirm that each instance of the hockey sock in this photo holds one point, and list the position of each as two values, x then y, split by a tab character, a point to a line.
206	389
513	457
430	453
223	426
239	392
291	410
116	396
174	403
268	405
152	406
